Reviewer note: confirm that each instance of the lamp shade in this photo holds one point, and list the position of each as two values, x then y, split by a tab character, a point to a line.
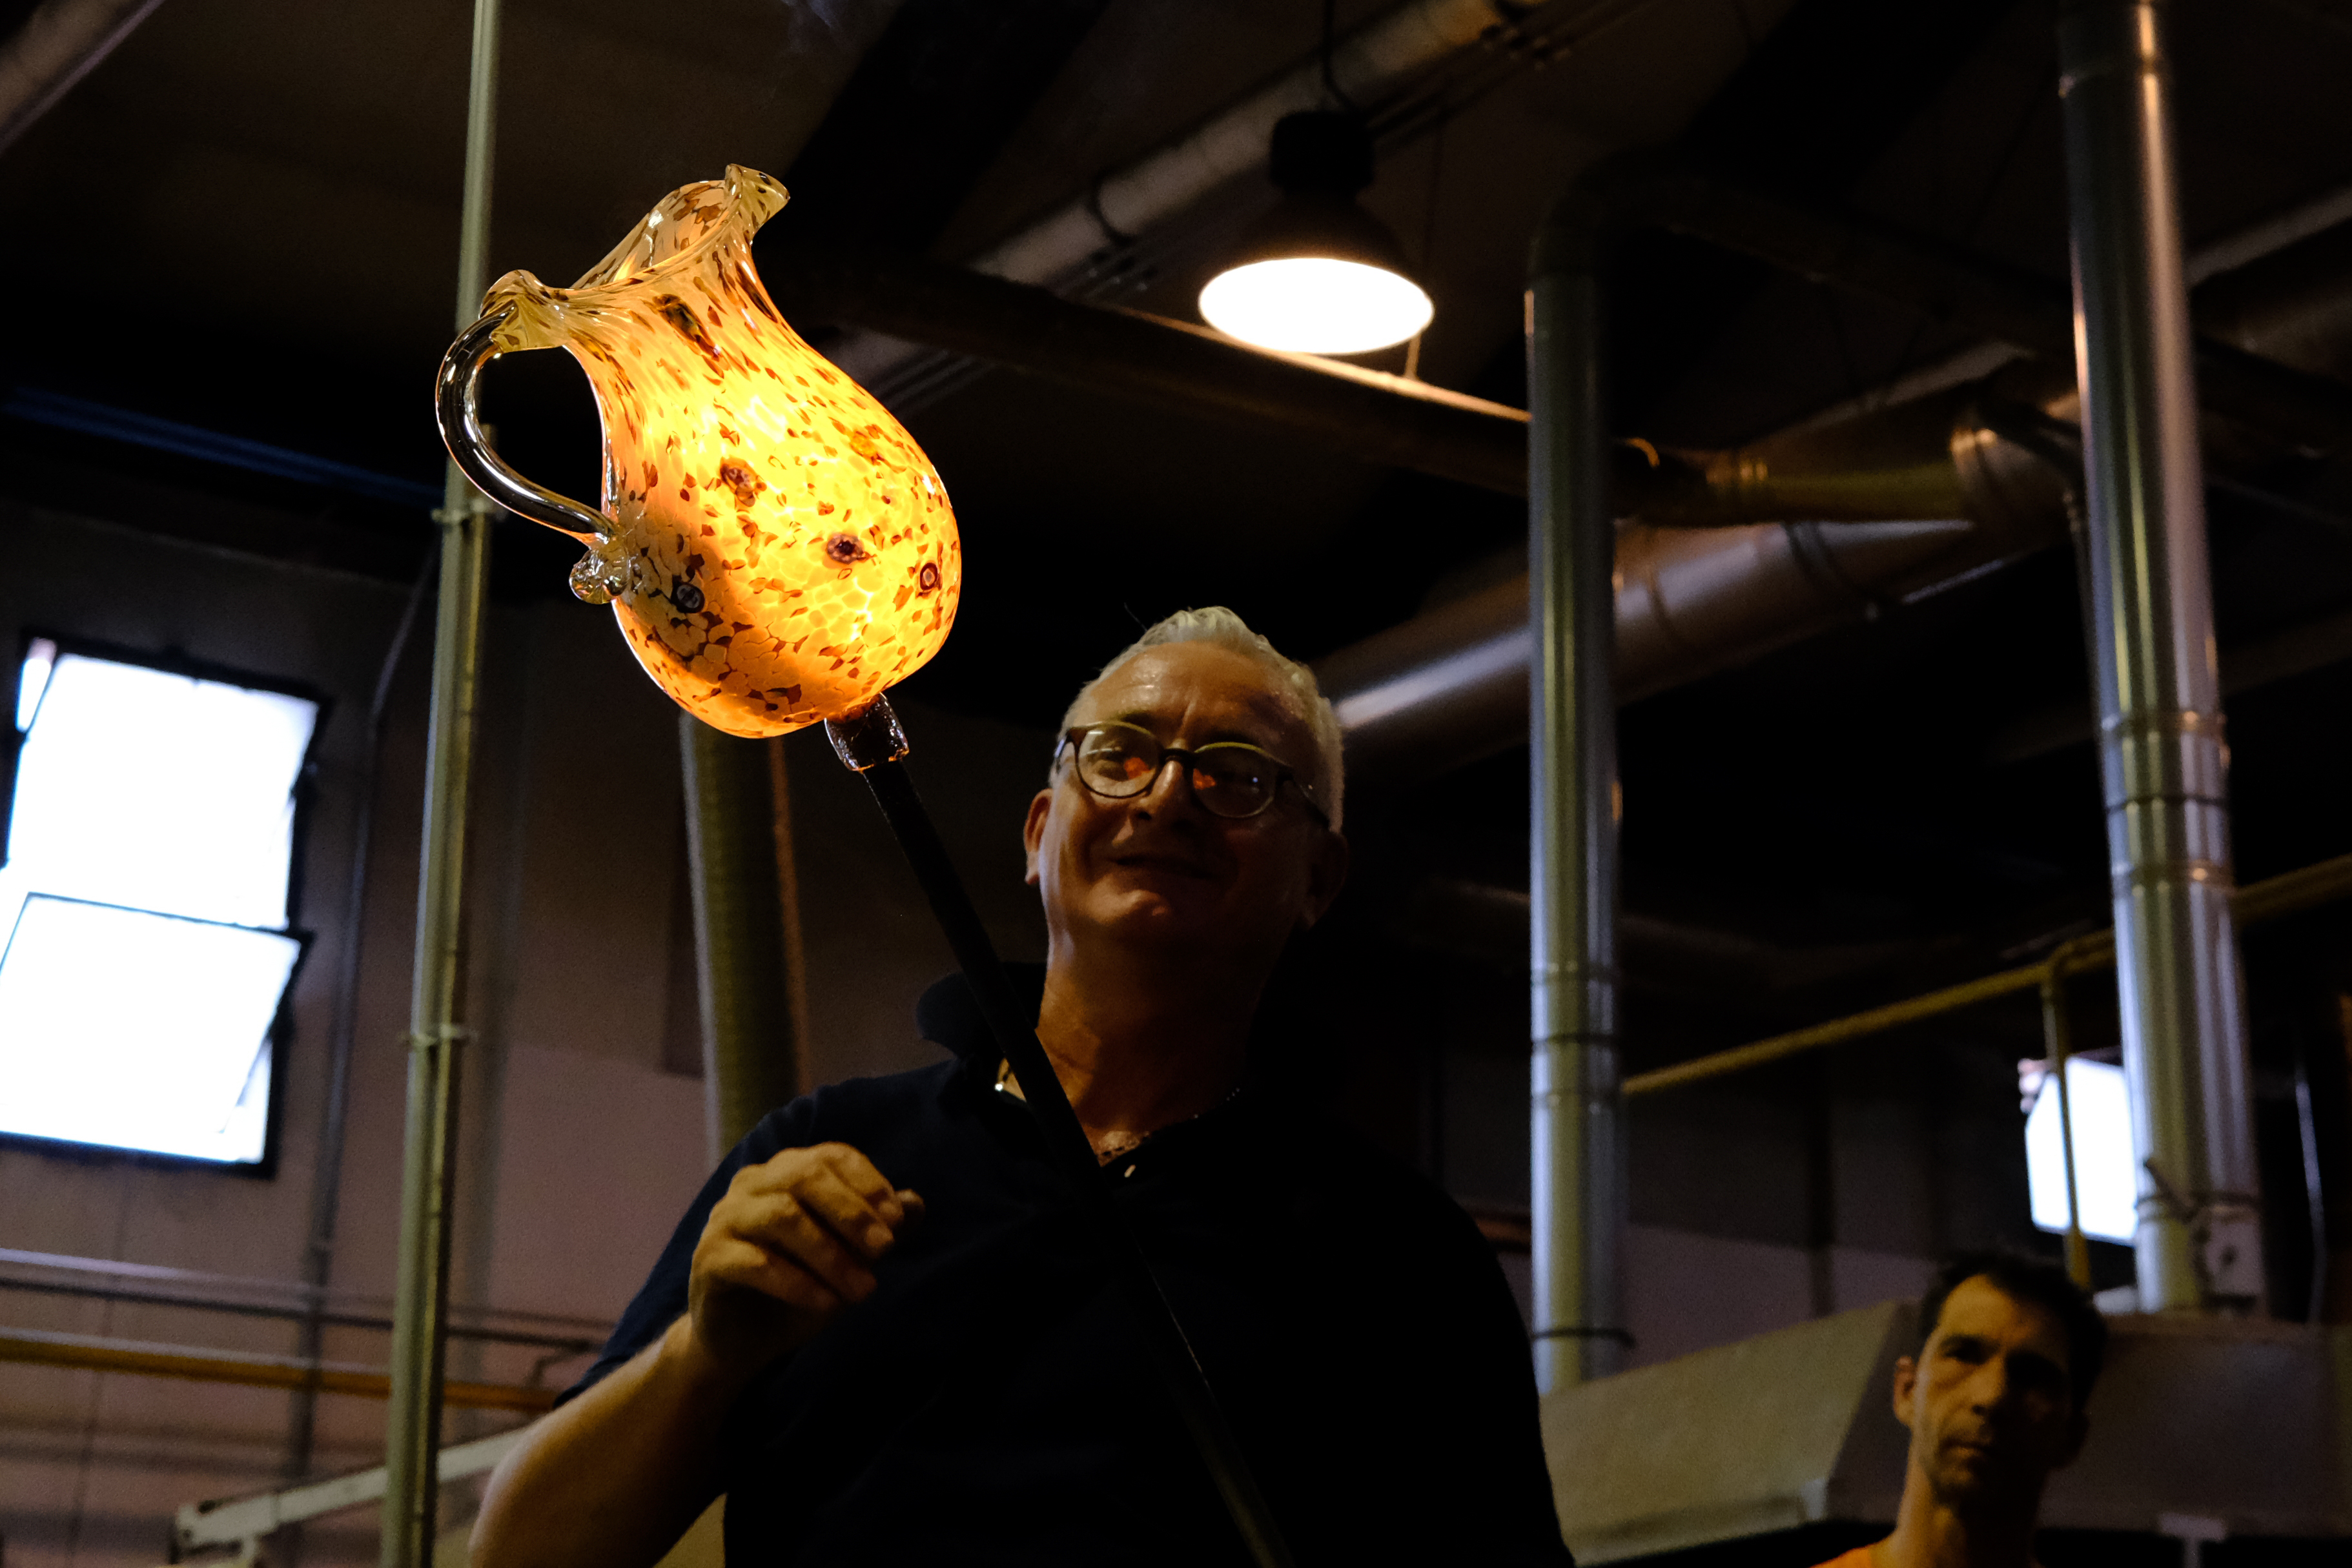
1317	273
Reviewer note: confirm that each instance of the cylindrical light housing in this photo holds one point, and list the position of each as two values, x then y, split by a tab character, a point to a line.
1317	273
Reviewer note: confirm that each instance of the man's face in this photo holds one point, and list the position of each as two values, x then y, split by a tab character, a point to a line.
1157	868
1987	1401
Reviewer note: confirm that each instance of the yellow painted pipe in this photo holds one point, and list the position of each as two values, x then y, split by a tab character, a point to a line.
2287	894
141	1362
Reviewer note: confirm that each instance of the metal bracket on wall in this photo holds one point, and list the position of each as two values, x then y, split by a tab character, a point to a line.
242	1522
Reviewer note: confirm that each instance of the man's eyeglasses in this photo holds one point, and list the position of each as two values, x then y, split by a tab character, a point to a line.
1230	778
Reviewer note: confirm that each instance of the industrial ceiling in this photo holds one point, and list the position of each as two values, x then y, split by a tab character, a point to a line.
243	220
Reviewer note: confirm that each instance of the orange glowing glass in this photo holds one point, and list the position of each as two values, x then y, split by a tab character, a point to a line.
776	548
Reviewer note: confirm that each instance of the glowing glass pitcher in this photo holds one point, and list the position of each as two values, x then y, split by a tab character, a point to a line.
776	548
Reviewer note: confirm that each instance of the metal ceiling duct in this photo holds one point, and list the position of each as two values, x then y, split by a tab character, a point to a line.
1366	65
1393	422
1707	578
2161	758
1170	365
1576	1147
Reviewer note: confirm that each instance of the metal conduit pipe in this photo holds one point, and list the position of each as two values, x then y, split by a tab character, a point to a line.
2161	760
745	950
1576	1154
420	1308
327	1171
1700	586
58	44
1393	422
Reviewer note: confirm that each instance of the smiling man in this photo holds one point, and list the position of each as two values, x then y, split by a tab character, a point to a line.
879	1331
1995	1401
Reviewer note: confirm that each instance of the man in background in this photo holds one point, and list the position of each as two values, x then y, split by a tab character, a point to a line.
2009	1349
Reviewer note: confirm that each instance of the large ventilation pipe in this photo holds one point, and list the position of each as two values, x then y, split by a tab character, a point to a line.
1576	1155
1393	422
1366	65
2199	1245
1701	585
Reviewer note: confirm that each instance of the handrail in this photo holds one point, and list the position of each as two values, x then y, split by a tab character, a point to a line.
141	1360
2270	899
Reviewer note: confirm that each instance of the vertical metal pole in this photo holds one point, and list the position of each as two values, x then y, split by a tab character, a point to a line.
1578	1196
327	1177
421	1293
2057	1035
742	946
2161	760
2314	1191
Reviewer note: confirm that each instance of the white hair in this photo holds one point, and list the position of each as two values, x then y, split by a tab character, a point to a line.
1291	680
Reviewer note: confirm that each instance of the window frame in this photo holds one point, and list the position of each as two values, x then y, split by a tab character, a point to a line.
304	797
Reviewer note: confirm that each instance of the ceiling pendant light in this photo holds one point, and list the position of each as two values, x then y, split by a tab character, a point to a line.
1319	275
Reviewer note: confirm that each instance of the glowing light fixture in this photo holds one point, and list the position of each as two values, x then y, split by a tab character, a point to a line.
776	548
1319	275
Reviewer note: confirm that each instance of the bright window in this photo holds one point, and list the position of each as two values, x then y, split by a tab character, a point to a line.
2106	1177
151	840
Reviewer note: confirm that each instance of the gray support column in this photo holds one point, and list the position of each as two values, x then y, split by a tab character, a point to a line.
1578	1189
746	937
2161	757
420	1309
421	1289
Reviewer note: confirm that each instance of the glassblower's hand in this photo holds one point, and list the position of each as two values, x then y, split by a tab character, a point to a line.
792	1244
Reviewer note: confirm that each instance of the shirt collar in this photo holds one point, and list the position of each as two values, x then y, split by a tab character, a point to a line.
949	1015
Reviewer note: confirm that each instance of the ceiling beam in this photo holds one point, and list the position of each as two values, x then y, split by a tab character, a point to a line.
929	107
1172	365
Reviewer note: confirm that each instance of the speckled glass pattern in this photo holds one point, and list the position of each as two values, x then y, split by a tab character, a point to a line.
781	551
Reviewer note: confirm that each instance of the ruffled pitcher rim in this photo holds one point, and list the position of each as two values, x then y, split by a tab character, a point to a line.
748	198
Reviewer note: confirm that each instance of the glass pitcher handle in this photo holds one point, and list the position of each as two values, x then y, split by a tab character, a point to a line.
454	408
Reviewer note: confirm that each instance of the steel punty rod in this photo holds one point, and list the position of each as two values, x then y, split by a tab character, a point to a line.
872	744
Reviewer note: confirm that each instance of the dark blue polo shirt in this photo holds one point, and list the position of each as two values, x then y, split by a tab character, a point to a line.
991	1403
